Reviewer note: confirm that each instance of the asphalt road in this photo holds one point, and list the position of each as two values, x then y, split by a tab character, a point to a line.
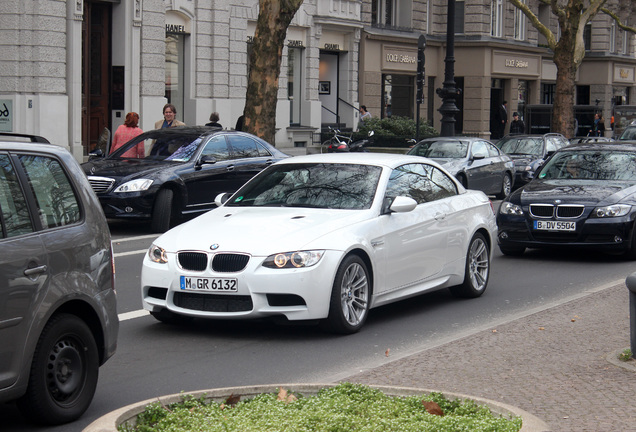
156	359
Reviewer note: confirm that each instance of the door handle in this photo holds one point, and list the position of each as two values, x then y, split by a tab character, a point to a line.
440	216
230	168
34	271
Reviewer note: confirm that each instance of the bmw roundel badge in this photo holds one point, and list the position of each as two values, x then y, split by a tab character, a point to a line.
215	246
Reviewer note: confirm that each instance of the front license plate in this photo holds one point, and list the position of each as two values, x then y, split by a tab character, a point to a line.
209	284
554	226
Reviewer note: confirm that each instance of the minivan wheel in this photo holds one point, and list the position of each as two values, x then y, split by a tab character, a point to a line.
162	211
63	373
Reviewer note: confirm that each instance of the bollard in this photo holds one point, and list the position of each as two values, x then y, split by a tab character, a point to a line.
631	285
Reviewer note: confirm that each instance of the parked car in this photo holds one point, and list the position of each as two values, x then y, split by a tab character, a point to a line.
476	163
590	139
183	170
324	237
529	152
629	134
583	197
58	312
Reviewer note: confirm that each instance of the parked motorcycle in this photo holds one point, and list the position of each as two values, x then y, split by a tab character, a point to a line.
340	143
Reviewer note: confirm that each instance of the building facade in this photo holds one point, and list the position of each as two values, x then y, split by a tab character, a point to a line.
73	69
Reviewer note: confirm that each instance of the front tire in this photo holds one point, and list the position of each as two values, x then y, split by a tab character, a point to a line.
162	211
350	297
63	373
477	270
506	186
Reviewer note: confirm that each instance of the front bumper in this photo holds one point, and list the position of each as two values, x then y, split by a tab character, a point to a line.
127	205
297	294
607	234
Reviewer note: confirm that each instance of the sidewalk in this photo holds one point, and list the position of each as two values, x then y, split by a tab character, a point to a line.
558	364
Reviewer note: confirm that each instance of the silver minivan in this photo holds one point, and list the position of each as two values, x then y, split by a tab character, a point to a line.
58	312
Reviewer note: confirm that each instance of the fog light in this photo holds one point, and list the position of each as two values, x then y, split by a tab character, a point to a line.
128	209
618	239
503	235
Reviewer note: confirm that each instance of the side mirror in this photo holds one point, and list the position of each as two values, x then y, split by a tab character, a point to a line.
478	156
402	204
207	159
222	198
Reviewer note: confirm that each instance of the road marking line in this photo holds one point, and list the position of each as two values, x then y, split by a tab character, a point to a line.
123	239
120	254
134	314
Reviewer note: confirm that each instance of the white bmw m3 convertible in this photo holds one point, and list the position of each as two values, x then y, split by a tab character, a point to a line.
324	237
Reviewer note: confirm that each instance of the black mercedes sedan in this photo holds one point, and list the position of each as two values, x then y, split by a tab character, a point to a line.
183	170
584	196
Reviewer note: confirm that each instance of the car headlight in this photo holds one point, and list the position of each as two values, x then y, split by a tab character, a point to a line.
615	210
134	186
508	208
296	259
157	254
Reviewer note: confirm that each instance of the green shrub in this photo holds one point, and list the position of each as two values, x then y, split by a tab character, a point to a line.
394	131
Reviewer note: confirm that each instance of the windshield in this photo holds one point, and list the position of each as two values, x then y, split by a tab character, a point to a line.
441	149
316	185
591	165
526	146
159	145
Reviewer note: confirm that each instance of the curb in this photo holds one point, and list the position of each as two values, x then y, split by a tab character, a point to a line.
110	421
628	365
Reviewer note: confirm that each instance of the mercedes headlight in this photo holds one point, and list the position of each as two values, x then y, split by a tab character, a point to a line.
298	259
134	186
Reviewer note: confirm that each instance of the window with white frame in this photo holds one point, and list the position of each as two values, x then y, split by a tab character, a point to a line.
294	82
392	13
496	18
520	24
460	7
612	37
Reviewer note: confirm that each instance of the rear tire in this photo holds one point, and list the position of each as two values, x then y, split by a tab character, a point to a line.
63	373
477	270
162	211
506	187
350	297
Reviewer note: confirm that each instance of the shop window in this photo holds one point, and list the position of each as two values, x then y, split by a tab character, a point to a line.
520	24
496	18
398	93
392	13
547	93
294	80
174	93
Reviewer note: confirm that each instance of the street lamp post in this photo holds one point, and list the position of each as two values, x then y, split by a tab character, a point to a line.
449	92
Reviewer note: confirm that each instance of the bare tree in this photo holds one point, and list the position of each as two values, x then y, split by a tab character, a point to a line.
569	49
274	17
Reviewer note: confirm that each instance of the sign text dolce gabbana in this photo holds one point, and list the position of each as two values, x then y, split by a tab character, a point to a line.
516	63
400	58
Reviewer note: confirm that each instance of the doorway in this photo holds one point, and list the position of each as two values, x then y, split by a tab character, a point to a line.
96	49
496	99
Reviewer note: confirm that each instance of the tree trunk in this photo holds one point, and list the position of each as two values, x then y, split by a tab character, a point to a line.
262	87
563	108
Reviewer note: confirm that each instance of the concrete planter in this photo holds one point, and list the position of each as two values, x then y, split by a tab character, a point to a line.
128	414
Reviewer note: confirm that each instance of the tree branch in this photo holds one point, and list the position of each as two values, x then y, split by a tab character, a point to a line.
618	20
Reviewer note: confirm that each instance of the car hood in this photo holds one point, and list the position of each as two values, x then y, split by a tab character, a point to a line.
587	192
126	167
260	231
453	165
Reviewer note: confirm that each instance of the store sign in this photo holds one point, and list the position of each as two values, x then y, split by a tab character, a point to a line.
6	115
517	63
508	63
295	44
398	58
176	28
331	47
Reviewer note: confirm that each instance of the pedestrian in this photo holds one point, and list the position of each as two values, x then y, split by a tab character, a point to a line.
364	114
127	132
517	126
214	120
169	113
501	119
240	122
598	127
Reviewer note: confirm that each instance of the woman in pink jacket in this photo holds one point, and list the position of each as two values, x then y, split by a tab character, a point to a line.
125	133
